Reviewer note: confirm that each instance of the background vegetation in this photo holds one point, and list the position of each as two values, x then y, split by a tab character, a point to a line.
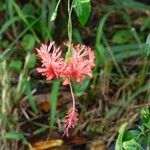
32	109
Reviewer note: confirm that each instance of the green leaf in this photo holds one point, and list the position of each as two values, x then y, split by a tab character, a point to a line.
77	36
15	65
13	135
8	23
100	54
146	24
28	41
122	37
148	140
83	10
147	49
148	40
53	101
16	135
10	49
132	134
79	89
2	6
28	9
20	12
131	145
23	17
119	142
32	61
30	97
99	48
132	4
40	130
145	116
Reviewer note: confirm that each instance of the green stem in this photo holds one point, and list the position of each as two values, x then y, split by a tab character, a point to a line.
56	8
70	26
54	14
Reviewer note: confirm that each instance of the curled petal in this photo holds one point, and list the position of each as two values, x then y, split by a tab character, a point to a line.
80	64
52	64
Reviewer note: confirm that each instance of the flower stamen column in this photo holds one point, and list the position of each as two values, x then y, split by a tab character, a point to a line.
72	115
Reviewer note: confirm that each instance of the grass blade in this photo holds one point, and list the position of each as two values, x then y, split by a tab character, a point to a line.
53	101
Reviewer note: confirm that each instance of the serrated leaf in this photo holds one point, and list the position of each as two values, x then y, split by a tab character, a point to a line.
132	134
148	140
132	145
145	116
83	10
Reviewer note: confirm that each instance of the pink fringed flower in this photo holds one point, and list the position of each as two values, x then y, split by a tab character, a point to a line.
76	67
70	120
52	64
79	65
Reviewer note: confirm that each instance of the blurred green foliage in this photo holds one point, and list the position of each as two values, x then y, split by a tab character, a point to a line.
120	77
137	138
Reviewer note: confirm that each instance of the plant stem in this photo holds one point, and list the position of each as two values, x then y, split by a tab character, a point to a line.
70	25
72	95
56	8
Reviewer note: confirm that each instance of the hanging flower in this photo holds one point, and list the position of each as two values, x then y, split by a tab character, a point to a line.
52	64
79	65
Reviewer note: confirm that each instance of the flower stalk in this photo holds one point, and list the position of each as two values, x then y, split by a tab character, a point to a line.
70	7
